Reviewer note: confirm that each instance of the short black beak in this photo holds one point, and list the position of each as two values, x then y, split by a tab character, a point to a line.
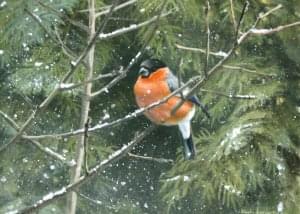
144	72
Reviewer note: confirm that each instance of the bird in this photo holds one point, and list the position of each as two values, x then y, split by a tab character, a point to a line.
155	82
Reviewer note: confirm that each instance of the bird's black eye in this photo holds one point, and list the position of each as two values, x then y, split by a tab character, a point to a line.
144	72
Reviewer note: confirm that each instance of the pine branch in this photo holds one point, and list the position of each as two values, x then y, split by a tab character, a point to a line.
114	157
73	68
46	150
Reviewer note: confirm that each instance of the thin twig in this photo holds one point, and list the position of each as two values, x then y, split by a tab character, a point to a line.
117	155
233	15
207	51
246	4
85	144
65	49
90	199
159	160
125	4
71	86
217	54
241	69
46	150
233	96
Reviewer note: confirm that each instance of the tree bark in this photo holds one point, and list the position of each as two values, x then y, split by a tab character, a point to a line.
85	105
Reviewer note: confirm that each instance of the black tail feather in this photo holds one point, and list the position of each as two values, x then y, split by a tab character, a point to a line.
188	148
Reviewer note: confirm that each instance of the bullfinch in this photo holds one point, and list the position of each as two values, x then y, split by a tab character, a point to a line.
155	82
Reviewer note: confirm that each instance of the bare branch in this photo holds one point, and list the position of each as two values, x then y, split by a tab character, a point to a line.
117	155
159	160
217	54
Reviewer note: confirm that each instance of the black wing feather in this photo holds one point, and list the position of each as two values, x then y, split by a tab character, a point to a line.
173	84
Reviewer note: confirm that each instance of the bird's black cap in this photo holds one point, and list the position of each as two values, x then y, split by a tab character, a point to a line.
152	64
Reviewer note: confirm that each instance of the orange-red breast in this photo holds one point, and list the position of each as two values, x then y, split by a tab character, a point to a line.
155	82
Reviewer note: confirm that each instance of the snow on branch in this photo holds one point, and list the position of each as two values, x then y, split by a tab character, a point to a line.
273	30
115	156
132	27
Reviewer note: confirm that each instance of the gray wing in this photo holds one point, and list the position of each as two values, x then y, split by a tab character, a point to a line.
172	81
173	84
